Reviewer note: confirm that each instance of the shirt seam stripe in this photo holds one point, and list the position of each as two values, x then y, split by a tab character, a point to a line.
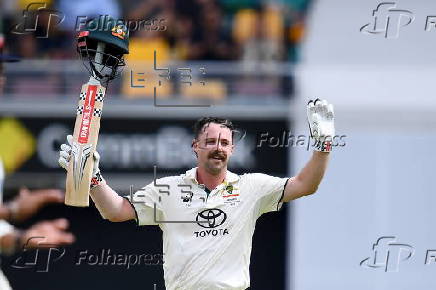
283	193
136	213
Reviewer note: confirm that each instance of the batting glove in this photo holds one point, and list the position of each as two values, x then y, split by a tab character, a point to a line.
321	124
65	156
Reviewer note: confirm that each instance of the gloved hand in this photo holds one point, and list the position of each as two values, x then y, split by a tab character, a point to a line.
65	156
321	124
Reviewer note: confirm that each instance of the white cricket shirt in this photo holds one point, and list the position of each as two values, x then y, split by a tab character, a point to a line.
207	239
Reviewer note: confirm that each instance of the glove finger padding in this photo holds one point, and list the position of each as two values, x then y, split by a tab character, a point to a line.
330	112
63	163
70	140
320	115
315	125
310	115
65	155
96	163
66	148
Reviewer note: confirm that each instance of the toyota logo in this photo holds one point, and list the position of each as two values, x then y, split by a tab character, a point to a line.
214	217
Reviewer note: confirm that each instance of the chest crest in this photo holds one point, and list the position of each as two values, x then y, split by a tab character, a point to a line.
231	195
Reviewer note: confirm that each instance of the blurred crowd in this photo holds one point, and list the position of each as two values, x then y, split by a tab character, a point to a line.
250	30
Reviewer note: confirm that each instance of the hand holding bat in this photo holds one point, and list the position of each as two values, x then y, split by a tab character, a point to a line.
65	156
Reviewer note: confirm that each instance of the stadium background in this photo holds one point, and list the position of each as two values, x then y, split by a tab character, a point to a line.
262	61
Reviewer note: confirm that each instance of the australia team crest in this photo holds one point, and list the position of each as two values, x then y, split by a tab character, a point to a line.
231	195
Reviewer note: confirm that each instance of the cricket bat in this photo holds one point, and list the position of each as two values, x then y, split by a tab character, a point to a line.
85	137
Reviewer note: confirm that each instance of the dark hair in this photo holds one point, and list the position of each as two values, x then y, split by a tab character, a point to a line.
200	123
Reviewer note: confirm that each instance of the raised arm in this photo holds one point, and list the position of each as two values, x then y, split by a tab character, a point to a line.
110	205
307	180
321	124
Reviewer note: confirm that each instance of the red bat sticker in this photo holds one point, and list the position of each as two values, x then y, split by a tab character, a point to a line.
88	109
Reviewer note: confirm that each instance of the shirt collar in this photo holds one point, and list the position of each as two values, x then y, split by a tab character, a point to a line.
191	175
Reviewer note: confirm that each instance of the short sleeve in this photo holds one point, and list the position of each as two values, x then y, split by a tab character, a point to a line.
268	191
147	205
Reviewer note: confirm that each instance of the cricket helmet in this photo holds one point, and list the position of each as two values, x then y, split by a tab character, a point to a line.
103	61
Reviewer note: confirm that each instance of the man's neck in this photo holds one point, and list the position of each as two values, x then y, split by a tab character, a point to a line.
209	180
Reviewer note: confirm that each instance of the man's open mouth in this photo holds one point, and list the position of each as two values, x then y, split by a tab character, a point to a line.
218	158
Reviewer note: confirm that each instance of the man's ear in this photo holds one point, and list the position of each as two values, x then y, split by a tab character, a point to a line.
194	146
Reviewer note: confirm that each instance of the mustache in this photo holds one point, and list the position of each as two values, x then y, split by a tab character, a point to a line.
218	154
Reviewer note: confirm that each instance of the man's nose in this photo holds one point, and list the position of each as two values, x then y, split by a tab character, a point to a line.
219	147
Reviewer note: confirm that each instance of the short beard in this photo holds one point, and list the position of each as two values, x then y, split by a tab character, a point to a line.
214	170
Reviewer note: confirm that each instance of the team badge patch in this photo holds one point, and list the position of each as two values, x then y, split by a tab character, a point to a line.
231	195
119	31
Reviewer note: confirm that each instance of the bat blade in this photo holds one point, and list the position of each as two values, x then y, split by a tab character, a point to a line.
85	139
